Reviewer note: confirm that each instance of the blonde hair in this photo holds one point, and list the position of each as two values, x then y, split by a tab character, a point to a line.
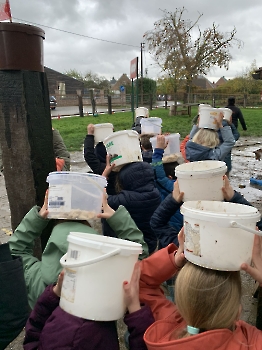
207	299
206	137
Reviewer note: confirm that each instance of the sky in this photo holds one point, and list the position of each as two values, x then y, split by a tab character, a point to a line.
111	32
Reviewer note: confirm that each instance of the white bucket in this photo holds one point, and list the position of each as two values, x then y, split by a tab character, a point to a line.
213	237
95	269
75	196
173	144
142	112
102	131
207	118
227	113
201	180
203	105
124	146
151	125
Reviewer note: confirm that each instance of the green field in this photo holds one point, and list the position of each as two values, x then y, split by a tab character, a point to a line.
73	130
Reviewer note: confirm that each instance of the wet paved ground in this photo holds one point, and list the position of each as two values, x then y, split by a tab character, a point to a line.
244	166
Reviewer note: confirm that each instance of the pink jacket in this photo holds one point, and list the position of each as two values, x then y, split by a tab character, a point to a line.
161	336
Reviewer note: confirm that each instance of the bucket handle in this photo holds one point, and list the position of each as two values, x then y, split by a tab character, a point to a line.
237	225
88	262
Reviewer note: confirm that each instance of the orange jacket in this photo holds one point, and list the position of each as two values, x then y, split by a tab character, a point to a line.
183	148
161	336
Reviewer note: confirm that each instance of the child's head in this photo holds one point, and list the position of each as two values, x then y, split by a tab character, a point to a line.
206	137
170	163
208	299
145	142
231	101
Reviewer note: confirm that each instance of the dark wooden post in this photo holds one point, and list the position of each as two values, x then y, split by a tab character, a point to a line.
150	102
109	101
25	123
165	101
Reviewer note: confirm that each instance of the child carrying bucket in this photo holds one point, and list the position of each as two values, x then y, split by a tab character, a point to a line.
208	303
204	143
39	274
50	327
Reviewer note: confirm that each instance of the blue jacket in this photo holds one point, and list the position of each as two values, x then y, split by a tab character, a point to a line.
196	152
139	196
165	187
160	219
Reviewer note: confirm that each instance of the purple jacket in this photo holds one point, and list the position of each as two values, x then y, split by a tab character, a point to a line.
51	328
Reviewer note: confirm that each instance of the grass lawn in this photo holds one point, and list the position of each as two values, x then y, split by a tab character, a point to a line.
73	130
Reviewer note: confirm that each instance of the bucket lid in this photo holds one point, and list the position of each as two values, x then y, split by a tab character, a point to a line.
201	169
215	211
104	125
100	242
130	133
71	176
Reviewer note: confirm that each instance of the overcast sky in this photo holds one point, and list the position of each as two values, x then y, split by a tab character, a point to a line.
125	22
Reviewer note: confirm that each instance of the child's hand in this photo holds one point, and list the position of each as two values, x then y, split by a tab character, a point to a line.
107	210
177	195
109	167
179	257
43	212
131	290
161	142
219	119
227	189
256	271
90	129
58	287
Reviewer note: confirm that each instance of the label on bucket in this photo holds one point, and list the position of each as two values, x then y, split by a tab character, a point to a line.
69	285
59	198
192	238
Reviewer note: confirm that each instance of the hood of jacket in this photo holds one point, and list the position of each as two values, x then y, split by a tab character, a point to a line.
138	176
196	152
57	246
161	336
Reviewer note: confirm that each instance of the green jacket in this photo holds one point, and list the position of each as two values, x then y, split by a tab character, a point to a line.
39	274
60	149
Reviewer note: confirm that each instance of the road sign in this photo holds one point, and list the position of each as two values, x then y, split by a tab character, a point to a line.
122	88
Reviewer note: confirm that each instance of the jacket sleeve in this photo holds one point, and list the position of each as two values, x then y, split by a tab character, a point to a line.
183	147
60	149
46	304
137	324
220	152
159	170
90	157
159	222
125	228
22	243
239	199
235	132
156	269
193	131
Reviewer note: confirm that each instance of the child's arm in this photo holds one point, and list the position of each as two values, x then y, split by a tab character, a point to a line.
220	152
193	131
159	222
46	304
123	225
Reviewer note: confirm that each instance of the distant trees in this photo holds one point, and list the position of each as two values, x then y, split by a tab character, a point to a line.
183	51
90	79
243	82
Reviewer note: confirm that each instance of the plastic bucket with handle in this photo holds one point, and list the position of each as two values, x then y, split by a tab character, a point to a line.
95	269
218	235
151	125
124	147
202	180
75	196
142	112
102	131
227	113
173	145
207	118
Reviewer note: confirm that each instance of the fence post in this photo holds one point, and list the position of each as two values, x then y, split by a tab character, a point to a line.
150	102
109	103
245	101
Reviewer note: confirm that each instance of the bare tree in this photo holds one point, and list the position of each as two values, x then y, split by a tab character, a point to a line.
183	50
